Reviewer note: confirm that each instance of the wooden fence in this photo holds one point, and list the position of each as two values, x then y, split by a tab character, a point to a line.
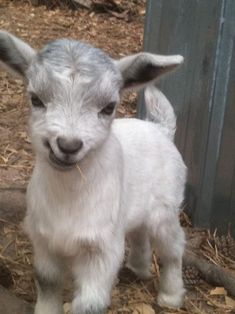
203	94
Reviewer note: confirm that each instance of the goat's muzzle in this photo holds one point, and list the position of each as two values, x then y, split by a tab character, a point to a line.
64	163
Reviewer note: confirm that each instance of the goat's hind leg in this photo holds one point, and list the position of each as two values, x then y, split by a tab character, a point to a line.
49	279
139	259
169	239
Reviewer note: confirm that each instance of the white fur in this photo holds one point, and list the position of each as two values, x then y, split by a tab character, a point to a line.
159	110
135	180
129	180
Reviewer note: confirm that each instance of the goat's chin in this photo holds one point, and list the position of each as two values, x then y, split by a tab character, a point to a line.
60	164
62	168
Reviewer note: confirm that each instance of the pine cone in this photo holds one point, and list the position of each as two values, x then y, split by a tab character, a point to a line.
191	275
226	246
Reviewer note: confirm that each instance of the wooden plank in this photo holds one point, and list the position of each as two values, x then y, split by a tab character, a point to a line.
221	145
189	28
203	32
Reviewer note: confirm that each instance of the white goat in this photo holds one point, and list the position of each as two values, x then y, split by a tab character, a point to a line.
97	179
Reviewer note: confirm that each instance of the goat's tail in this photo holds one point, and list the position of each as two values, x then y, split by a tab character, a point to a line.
159	110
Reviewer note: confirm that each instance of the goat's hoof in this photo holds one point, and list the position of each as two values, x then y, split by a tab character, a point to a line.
171	300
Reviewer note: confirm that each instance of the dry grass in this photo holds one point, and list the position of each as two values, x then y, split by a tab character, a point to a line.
118	37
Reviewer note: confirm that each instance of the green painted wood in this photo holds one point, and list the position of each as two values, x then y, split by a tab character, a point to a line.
201	93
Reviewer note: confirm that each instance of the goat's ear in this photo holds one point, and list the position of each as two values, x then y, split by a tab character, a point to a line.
140	69
15	54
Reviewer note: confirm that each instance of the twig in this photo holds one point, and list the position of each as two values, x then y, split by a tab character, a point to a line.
156	267
213	302
198	311
213	274
7	246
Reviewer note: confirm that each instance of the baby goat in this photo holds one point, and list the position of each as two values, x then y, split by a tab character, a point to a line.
96	178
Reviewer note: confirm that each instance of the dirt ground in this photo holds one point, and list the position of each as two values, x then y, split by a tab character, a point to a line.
118	34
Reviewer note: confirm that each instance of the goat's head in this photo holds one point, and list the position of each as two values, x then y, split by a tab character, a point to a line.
74	90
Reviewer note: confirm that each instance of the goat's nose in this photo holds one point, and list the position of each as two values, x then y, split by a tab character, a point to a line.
69	146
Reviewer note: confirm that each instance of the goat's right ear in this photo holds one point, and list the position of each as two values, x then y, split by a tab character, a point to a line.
15	54
140	69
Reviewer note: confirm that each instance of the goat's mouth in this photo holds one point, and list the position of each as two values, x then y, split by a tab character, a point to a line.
58	163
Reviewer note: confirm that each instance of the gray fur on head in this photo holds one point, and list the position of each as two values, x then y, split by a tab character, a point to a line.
73	87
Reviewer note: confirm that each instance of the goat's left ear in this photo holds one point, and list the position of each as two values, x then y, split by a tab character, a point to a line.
140	69
15	54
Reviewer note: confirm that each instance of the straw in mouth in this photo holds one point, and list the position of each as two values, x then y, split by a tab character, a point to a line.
81	173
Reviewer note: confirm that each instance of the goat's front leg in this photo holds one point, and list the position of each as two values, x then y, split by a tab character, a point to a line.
95	273
49	277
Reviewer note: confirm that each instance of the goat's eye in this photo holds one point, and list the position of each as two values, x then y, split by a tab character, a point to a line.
108	110
36	102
